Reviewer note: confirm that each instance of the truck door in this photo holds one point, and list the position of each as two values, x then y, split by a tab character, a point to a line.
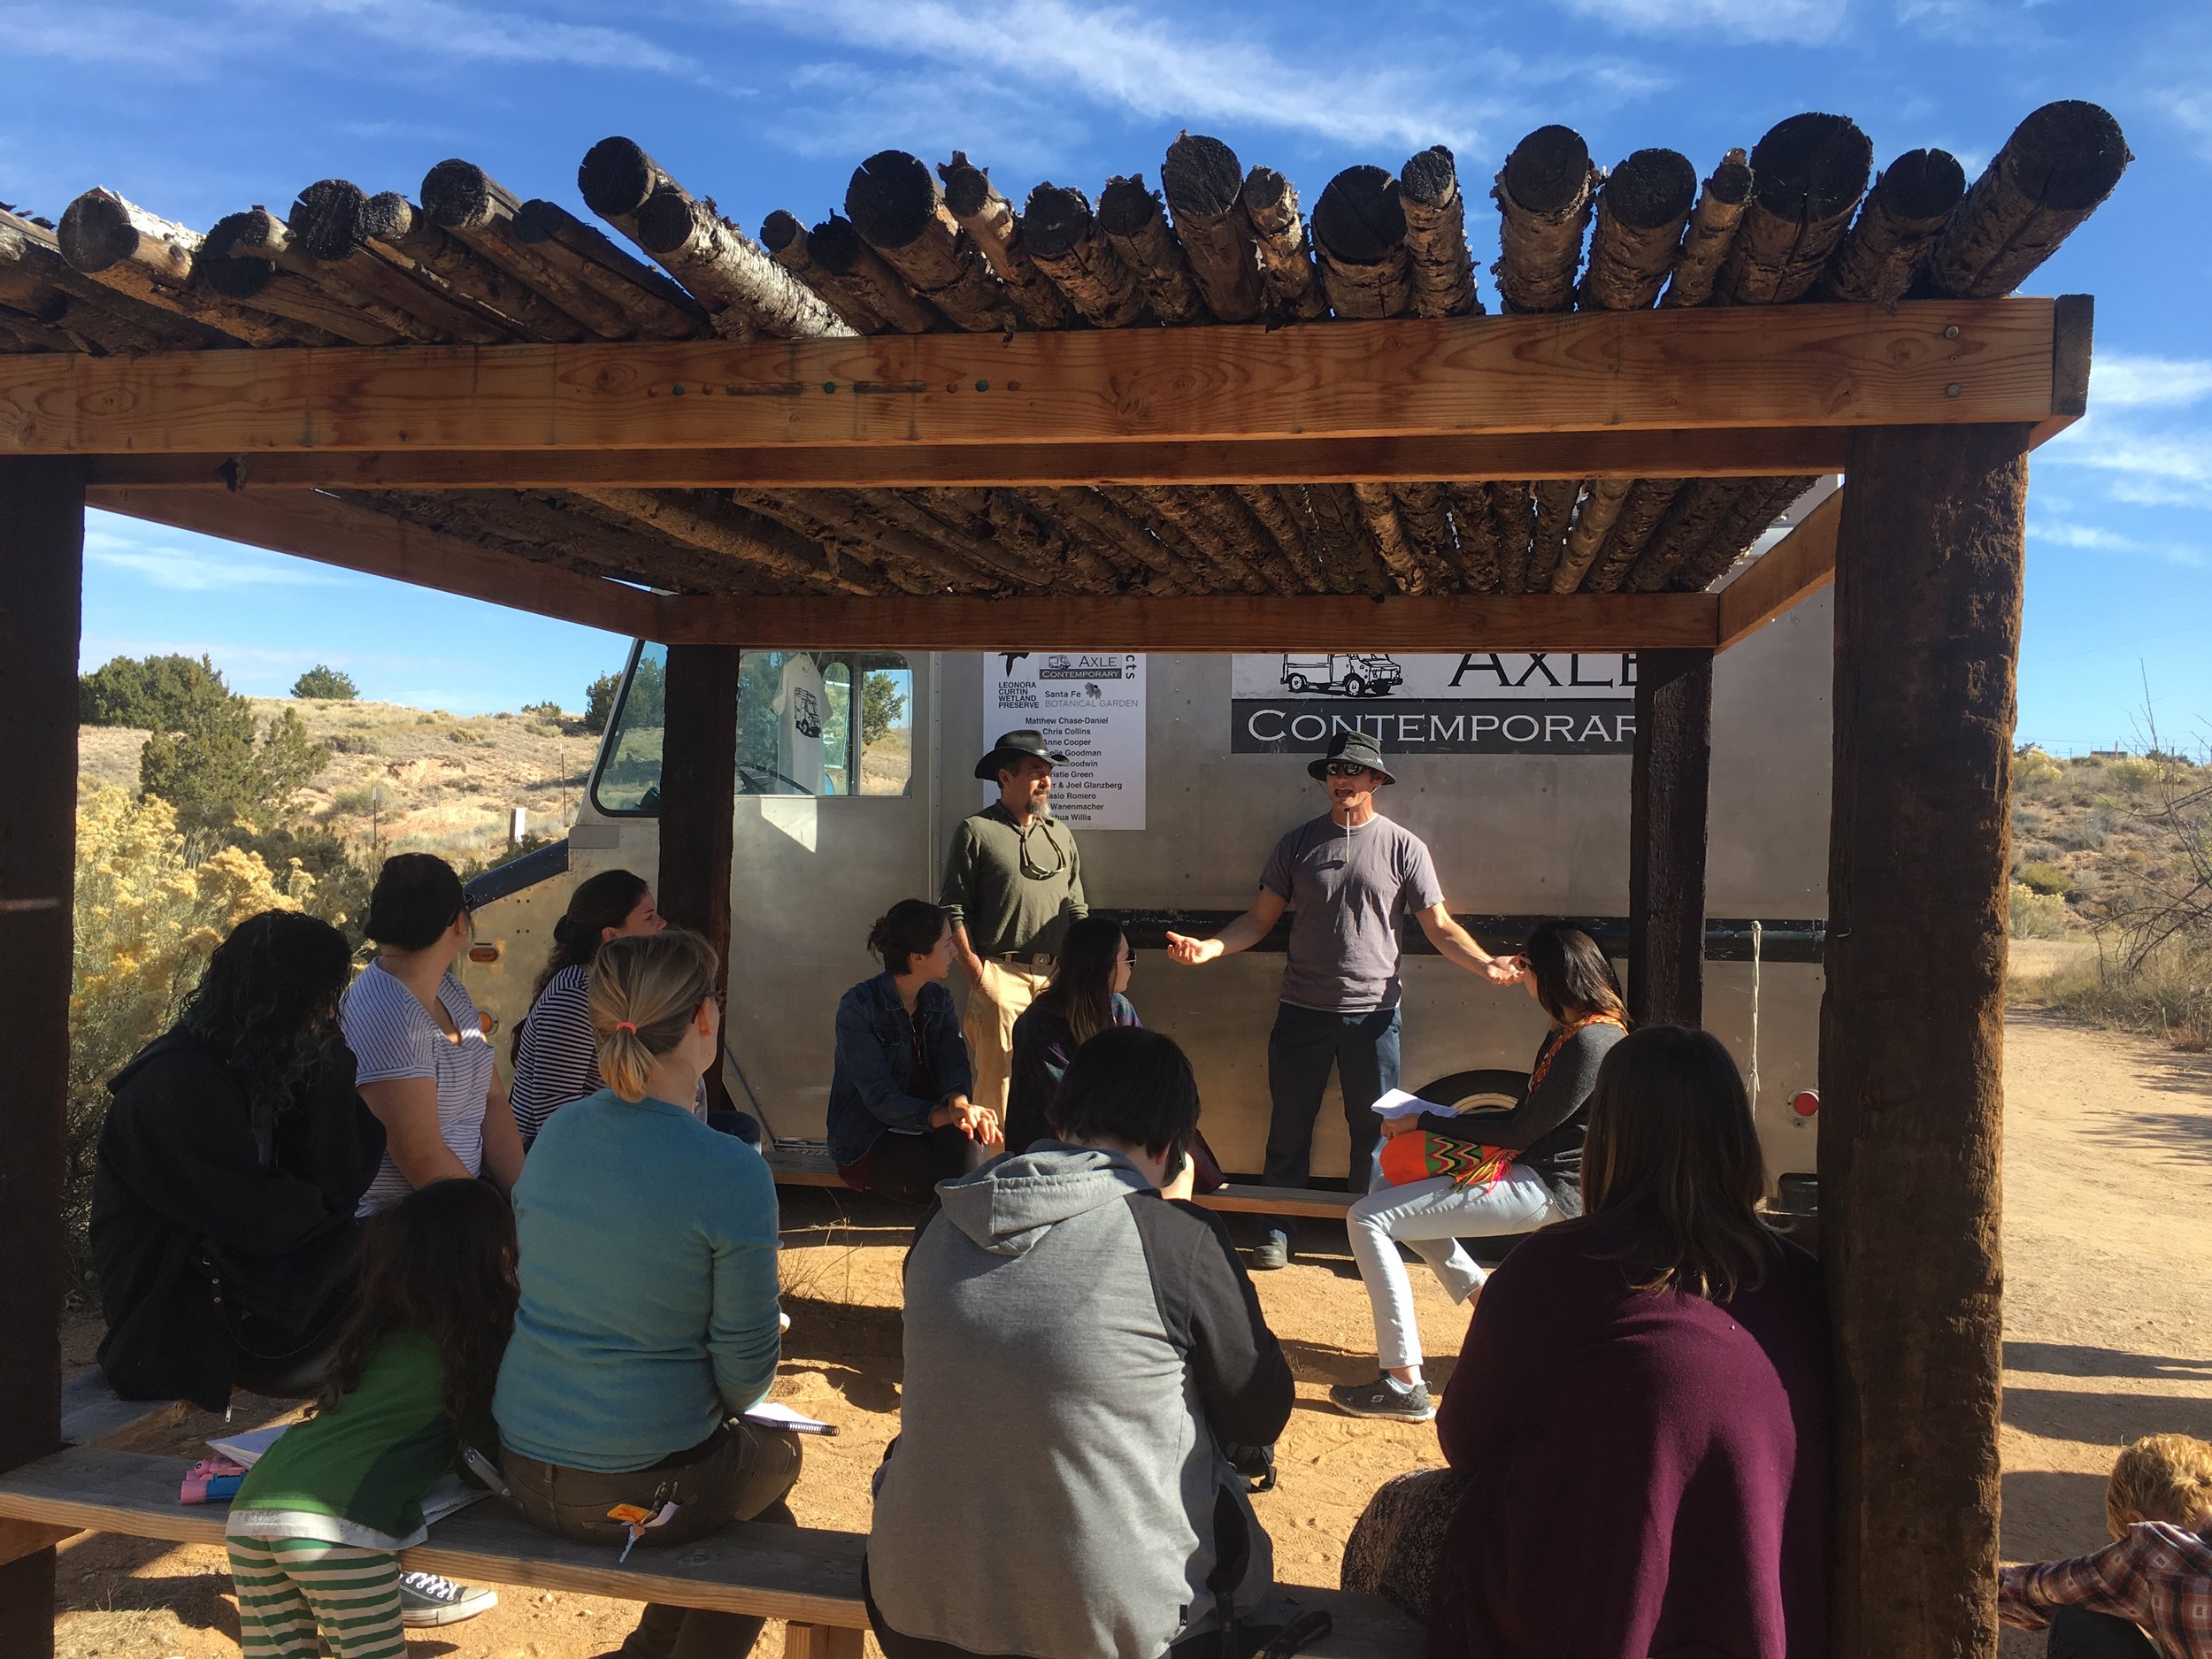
832	829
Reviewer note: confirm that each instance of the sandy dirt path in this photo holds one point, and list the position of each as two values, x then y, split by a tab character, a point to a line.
2108	1251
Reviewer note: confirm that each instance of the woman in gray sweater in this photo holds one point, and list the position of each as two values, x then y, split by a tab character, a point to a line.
1444	1175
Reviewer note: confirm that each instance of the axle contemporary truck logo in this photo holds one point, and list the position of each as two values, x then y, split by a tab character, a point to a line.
1477	702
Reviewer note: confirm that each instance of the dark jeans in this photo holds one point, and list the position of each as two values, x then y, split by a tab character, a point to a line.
1305	1044
737	1473
744	1125
908	1167
2076	1633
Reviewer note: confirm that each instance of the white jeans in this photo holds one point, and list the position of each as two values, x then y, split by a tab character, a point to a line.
1433	1216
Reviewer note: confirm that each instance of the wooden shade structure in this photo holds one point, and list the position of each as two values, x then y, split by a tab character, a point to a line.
1196	423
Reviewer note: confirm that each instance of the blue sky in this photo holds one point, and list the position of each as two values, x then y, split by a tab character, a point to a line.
198	112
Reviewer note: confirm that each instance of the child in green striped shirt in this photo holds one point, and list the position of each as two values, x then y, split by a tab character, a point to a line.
319	1522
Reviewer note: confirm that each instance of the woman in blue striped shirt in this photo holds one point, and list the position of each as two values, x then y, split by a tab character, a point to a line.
553	1058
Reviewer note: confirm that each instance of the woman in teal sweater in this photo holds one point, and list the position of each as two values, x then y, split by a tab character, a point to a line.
649	1318
318	1524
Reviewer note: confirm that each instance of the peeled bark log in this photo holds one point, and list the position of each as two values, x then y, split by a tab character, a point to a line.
896	205
790	513
1436	236
1234	522
1287	269
220	267
1110	523
468	203
975	202
1600	508
1513	514
499	521
788	245
1355	563
1062	237
959	534
1554	508
1640	515
1380	509
1283	524
1711	232
1134	222
1475	533
1212	562
841	255
847	517
616	179
1877	261
1690	519
1428	530
700	519
2054	171
37	283
1205	191
247	255
1642	211
1543	194
659	307
1024	533
746	293
1806	174
1359	238
1753	514
121	246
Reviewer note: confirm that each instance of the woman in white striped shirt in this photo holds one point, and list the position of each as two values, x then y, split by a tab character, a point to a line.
554	1060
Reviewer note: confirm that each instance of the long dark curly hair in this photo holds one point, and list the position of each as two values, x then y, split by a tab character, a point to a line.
605	901
268	1004
440	1260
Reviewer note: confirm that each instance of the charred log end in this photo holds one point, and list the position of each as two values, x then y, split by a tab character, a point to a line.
327	218
1548	171
1811	167
1266	190
235	235
1201	176
1651	189
891	199
1431	179
1922	185
666	221
461	196
386	216
1053	219
835	245
96	232
616	177
781	230
1125	206
1730	182
967	187
2068	156
233	278
1359	219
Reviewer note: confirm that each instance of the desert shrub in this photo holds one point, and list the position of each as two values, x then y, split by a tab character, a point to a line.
161	694
2168	995
361	799
541	728
548	711
2037	915
352	743
325	682
2132	777
426	720
2045	878
146	918
2032	766
467	734
218	777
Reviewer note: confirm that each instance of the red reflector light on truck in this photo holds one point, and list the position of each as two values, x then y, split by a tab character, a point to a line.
1805	1102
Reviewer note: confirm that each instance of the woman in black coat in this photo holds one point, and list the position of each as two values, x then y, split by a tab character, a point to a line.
233	1157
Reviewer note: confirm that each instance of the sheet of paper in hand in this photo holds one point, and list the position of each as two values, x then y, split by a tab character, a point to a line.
1397	1104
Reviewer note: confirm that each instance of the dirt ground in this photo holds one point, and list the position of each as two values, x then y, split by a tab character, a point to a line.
2107	1245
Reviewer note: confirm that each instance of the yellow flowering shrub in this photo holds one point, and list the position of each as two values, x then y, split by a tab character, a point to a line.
146	921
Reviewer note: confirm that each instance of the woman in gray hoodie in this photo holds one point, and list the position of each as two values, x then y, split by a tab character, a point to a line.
1102	1325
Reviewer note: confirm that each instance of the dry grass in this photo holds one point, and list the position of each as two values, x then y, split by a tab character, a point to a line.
2169	998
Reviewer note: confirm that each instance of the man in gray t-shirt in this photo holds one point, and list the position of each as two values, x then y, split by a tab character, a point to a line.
1348	879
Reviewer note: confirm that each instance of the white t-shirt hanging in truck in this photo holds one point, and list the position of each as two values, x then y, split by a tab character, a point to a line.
801	711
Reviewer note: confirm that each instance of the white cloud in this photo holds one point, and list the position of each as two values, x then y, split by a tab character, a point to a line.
203	569
1783	22
2119	381
2192	110
105	34
460	31
2094	539
2152	469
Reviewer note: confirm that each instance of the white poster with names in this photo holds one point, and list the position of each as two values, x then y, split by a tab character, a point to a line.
1090	707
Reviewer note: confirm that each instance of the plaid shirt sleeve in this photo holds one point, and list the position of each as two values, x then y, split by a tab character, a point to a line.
2156	1577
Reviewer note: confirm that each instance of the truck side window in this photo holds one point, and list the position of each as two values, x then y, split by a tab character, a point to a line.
629	781
799	733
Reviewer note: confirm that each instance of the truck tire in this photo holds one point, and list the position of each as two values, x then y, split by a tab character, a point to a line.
1353	686
1296	682
1462	1089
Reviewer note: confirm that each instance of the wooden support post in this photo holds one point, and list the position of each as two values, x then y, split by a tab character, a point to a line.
41	571
1666	835
699	803
1929	561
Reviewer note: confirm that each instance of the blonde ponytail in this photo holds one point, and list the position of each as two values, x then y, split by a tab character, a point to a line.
644	991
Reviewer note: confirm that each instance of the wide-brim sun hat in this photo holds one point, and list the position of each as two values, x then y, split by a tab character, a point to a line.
1013	747
1355	747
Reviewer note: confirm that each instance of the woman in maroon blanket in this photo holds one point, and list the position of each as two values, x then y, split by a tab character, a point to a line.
1641	1405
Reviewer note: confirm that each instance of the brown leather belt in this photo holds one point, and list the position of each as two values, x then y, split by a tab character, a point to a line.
1025	958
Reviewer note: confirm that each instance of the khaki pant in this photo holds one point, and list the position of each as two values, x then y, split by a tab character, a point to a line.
993	1005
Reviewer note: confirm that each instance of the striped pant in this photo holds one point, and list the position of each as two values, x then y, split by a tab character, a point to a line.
291	1590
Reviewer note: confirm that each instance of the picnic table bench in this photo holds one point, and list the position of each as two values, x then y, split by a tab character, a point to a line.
813	1169
807	1576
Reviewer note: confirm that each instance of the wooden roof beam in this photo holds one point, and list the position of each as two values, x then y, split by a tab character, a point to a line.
1797	567
1934	361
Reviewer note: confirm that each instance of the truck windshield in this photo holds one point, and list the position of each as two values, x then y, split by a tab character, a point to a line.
629	781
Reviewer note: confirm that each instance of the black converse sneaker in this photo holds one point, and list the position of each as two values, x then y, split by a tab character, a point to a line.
427	1601
1385	1397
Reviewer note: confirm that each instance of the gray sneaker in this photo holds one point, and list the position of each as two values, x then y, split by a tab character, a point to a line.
427	1600
1385	1397
1271	1252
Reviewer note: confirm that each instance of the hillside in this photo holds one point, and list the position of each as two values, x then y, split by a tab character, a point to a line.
403	779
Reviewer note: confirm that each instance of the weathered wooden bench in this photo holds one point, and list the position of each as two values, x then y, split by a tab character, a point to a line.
807	1577
92	1414
811	1169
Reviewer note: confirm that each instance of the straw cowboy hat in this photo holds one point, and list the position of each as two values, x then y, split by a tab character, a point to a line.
1011	749
1356	747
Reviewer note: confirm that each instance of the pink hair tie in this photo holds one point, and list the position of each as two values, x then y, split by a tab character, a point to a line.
623	1024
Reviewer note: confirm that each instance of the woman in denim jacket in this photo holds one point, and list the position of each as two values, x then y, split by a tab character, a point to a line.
900	1119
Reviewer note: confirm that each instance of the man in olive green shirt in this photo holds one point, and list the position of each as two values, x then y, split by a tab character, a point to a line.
1013	883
